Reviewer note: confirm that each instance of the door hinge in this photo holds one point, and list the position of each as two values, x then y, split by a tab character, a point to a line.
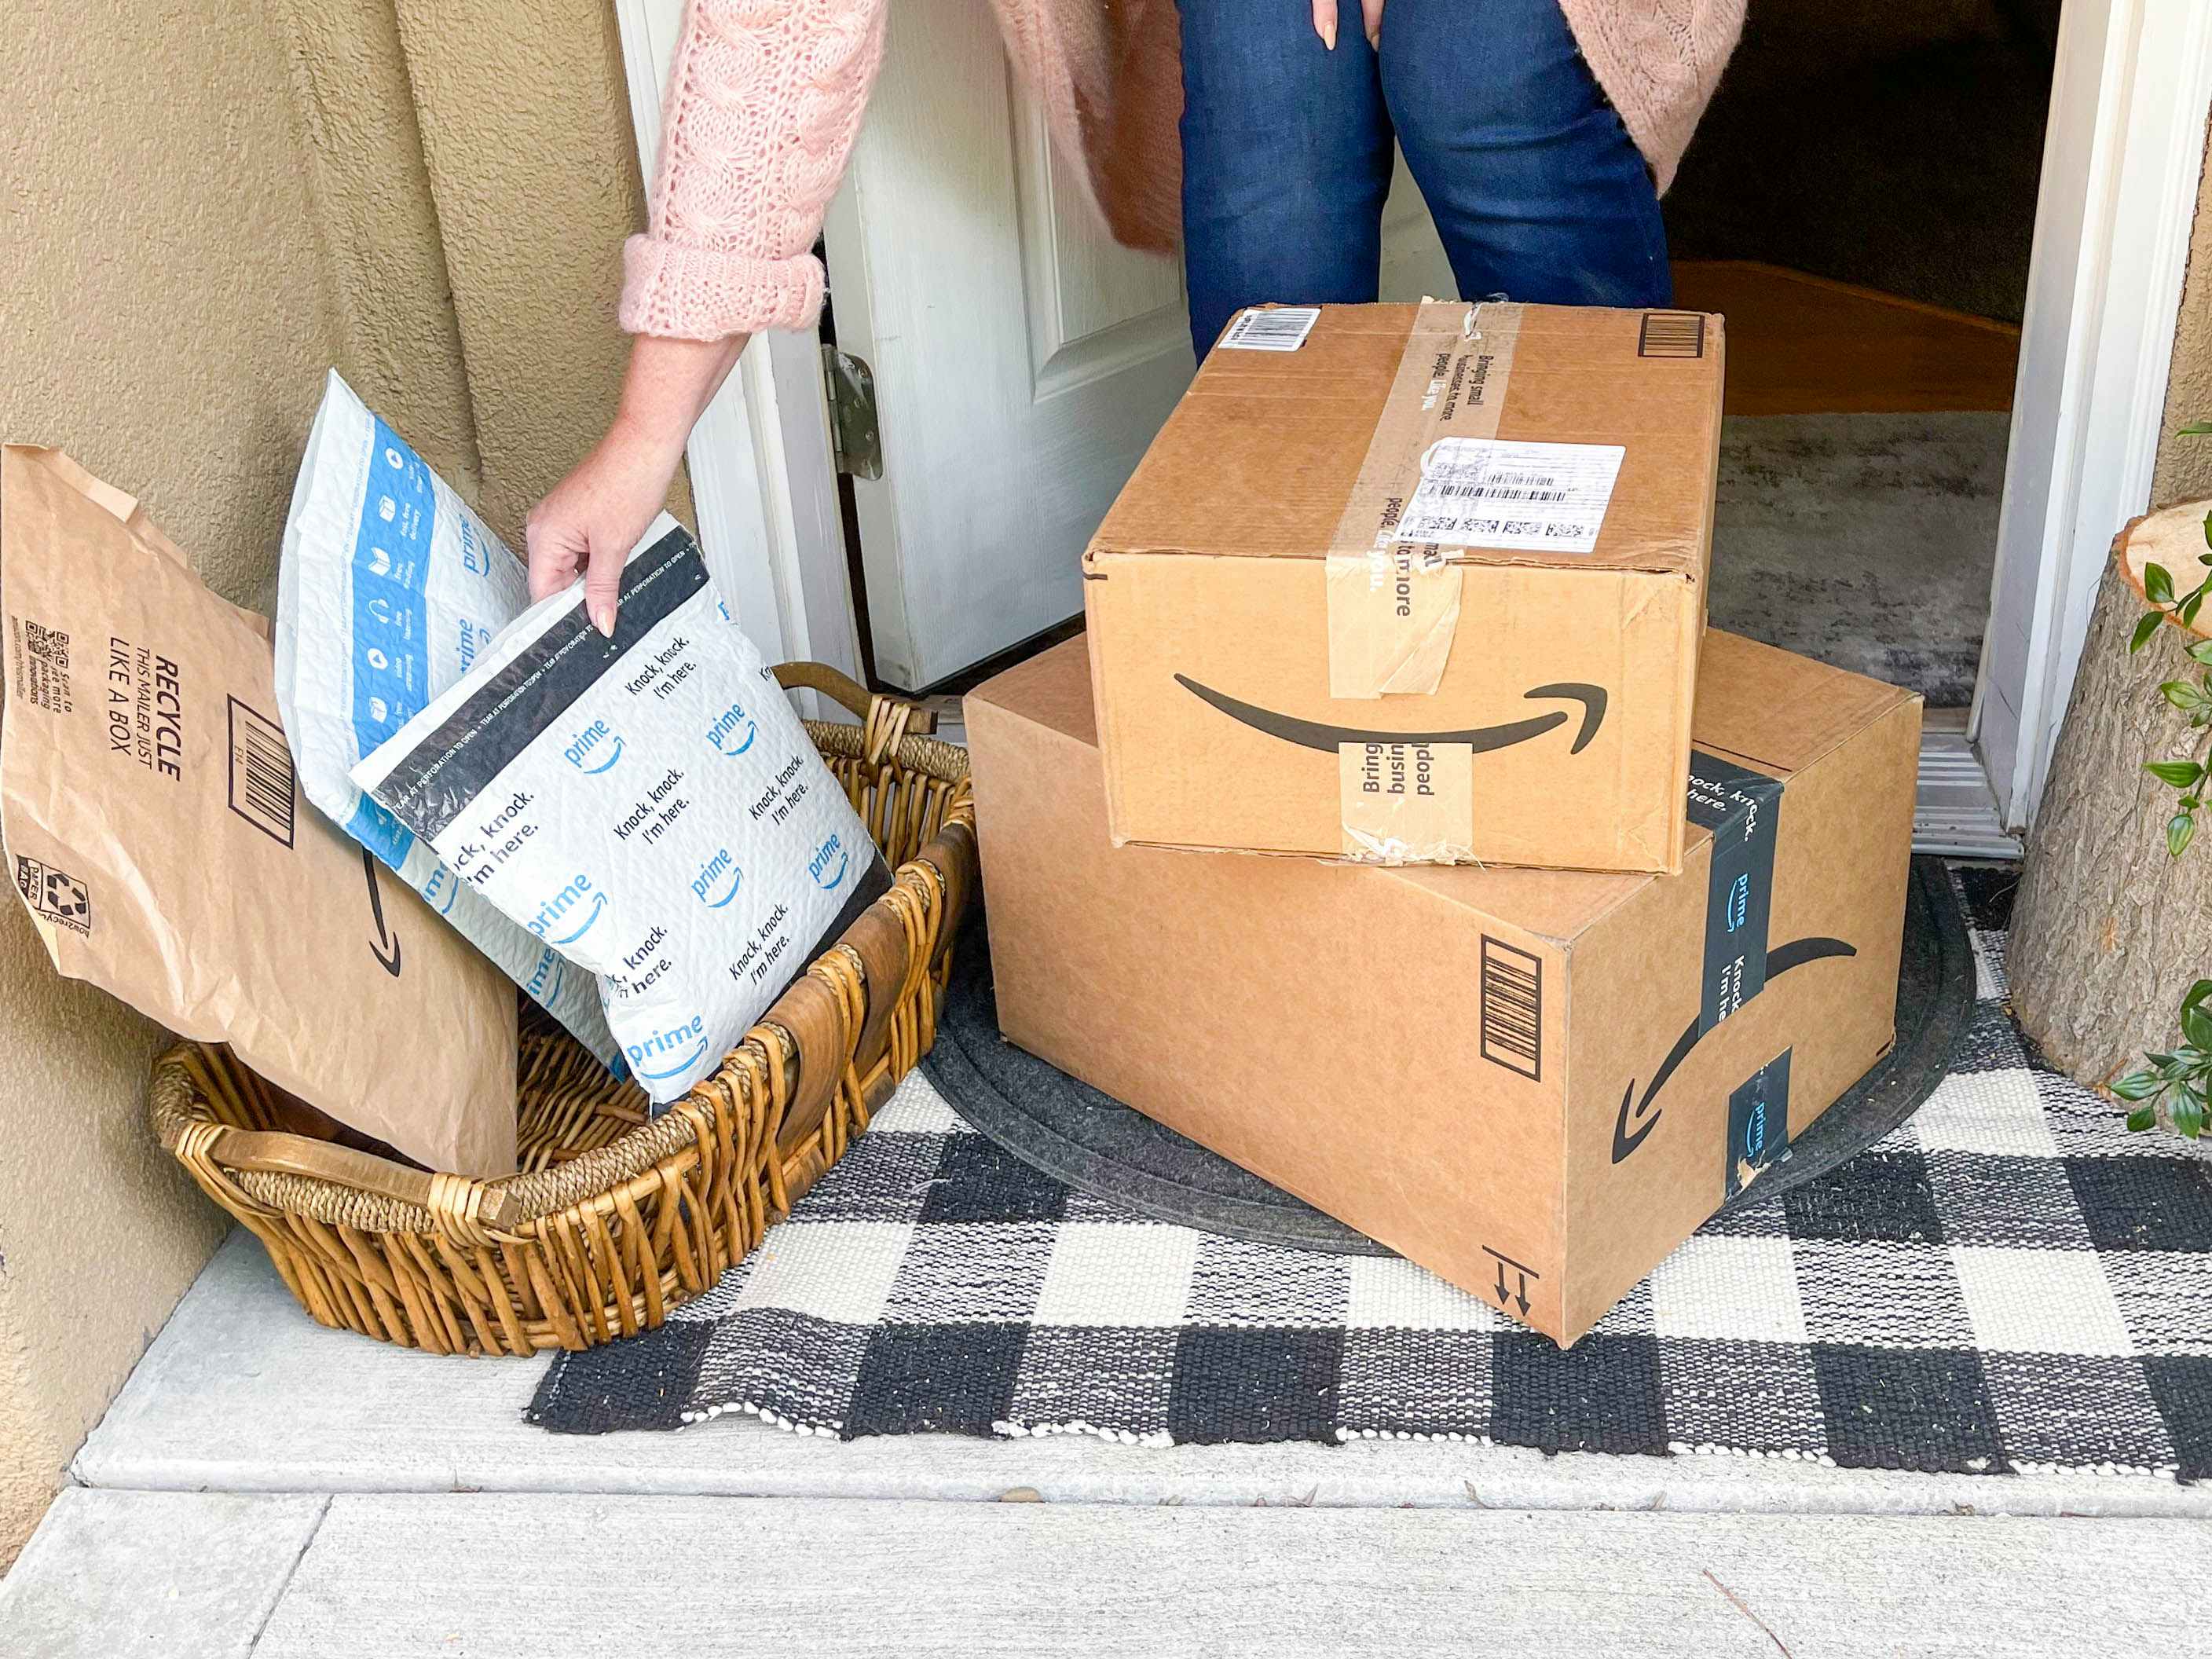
850	385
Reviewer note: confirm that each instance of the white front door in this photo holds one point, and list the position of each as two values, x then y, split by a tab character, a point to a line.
1022	360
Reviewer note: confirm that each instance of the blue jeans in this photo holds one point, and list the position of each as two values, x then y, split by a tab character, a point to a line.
1536	186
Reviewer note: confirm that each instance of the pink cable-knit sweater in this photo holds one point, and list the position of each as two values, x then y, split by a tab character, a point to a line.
765	97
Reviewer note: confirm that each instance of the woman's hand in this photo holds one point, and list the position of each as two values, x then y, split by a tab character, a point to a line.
1324	21
590	520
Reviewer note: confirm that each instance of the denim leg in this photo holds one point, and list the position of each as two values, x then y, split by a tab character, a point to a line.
1536	188
1286	161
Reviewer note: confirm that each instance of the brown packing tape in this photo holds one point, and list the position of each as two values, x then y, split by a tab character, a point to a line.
1407	803
1394	607
1392	614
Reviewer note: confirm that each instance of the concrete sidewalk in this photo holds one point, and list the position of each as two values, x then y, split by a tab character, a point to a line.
266	1486
507	1576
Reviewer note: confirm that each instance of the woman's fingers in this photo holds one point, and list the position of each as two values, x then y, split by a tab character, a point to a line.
556	555
1324	21
602	578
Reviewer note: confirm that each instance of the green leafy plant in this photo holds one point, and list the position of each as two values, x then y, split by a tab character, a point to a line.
2177	1085
2193	697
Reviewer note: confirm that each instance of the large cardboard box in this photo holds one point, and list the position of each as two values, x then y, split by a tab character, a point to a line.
1534	1083
1429	585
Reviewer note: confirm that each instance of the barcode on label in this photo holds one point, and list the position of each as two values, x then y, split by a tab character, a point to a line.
1492	492
262	790
1272	328
1488	491
1673	334
1512	1008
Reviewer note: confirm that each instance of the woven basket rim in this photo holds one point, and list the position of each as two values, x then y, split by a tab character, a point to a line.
176	1101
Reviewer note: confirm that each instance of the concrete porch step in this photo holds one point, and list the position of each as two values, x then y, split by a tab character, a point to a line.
241	1393
508	1575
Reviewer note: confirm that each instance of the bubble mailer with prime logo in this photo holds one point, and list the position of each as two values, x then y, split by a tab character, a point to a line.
648	805
156	836
389	587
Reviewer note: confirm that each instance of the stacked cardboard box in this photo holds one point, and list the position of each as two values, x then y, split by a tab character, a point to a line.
1533	1081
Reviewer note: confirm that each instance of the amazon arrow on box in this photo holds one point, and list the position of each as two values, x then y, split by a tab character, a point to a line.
1416	584
1533	1083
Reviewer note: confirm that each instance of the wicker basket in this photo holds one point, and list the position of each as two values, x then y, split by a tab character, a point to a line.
614	1220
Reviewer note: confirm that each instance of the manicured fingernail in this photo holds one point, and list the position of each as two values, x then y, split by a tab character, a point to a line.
1375	39
603	616
1329	36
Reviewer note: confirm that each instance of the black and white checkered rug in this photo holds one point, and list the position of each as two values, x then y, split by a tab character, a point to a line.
2009	1281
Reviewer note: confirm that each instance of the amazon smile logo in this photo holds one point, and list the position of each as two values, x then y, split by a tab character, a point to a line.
569	914
1313	734
593	751
826	867
1638	1117
687	1040
679	1067
733	732
719	874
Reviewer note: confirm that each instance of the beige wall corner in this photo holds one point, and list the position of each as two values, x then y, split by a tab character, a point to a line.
398	344
168	323
2185	465
100	1229
533	164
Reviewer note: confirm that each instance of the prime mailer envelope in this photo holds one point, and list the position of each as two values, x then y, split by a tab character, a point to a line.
390	586
155	833
649	806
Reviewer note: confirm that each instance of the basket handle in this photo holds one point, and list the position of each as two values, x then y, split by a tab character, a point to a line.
847	692
269	1151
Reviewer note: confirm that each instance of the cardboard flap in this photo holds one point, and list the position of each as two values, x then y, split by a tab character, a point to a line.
1776	711
1269	451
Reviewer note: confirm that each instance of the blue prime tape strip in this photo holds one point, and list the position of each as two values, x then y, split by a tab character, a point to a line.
391	646
1743	808
1759	1122
372	827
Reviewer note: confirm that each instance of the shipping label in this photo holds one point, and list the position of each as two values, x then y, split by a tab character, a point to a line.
1489	492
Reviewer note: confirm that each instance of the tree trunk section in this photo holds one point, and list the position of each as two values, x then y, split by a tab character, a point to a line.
2109	929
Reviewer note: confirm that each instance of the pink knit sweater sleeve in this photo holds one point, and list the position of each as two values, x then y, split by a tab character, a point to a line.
764	98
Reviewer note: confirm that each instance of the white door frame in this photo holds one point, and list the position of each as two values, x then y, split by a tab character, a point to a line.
2121	163
2122	158
763	479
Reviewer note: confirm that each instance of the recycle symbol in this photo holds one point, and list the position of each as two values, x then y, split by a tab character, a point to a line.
66	898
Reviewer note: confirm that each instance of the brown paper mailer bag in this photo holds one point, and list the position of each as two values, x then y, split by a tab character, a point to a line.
153	831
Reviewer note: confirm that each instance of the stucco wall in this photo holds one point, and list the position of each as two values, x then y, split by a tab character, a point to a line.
208	205
534	165
167	318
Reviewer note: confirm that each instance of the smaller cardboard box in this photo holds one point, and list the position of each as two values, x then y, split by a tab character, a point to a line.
1534	1083
1416	584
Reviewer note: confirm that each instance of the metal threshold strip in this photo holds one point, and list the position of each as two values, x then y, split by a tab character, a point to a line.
1955	812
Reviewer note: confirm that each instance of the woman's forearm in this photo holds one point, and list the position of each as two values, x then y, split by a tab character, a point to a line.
665	389
591	519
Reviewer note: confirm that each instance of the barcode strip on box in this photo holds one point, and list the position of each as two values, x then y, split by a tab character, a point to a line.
262	788
1512	1008
1673	334
1271	328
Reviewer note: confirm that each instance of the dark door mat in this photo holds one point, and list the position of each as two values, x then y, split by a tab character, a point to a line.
1097	1144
